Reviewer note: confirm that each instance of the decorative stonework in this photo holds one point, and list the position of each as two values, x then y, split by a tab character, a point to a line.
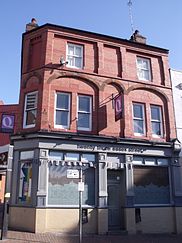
31	75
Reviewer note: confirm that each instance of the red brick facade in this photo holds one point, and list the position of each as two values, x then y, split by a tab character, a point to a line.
109	68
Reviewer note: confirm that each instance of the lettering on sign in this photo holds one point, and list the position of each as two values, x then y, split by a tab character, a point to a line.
98	148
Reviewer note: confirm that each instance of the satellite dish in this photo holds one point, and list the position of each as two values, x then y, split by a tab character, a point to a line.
62	61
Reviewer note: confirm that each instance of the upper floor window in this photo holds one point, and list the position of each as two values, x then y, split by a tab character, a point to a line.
138	119
30	110
143	68
62	113
156	120
84	113
75	56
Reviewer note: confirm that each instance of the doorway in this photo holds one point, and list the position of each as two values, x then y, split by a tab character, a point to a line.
116	195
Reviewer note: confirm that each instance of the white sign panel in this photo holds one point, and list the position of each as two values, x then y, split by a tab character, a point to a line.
73	174
80	186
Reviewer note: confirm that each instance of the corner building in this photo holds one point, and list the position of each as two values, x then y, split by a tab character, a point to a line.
69	81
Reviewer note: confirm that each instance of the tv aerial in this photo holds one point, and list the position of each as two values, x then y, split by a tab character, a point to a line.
131	15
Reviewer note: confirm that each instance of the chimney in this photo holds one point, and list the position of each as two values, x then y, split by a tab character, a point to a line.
136	37
32	25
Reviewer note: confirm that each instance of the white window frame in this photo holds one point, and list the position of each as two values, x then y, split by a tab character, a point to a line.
74	56
85	112
30	109
159	121
139	119
141	70
61	109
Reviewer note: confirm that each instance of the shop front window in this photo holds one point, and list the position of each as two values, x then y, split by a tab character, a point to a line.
25	177
151	185
63	178
25	182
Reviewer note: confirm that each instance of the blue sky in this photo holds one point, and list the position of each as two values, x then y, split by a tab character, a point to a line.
158	20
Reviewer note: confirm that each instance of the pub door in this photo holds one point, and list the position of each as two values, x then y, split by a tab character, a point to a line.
115	189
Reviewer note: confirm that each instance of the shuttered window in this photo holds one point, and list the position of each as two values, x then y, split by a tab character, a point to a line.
30	110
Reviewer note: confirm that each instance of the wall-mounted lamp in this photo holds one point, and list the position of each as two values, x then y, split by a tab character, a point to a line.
176	145
63	62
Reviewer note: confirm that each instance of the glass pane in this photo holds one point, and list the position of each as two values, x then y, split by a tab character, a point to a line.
89	186
64	191
156	128
70	50
150	161
62	118
31	117
151	185
61	190
88	157
145	74
138	127
72	156
155	113
63	101
70	61
139	63
78	62
56	154
84	103
78	51
27	154
25	182
138	111
83	120
137	160
145	64
162	161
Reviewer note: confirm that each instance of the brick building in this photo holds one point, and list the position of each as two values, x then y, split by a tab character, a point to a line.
74	86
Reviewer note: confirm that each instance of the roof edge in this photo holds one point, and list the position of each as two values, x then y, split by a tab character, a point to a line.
48	25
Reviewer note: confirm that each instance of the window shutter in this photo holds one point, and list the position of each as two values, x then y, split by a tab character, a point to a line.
31	101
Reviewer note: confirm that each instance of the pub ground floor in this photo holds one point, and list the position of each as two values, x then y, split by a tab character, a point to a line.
127	185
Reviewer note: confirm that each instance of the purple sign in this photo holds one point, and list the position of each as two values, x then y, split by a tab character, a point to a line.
7	123
118	107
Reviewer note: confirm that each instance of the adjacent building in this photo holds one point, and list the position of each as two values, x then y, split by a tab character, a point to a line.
176	78
8	115
102	107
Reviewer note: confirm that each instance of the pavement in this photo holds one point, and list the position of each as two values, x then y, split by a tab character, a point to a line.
25	237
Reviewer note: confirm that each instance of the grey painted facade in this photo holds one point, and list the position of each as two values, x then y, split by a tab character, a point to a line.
122	158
